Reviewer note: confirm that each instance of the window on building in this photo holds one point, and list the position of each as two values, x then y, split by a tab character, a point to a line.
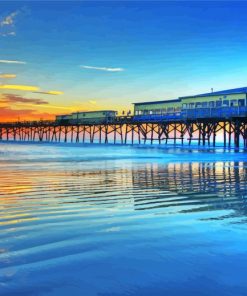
225	102
218	103
204	104
192	105
233	103
211	104
241	102
170	109
184	106
198	105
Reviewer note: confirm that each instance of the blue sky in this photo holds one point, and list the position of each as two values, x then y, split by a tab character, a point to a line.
135	51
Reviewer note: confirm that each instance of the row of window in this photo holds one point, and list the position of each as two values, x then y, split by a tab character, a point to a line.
89	114
79	115
158	111
211	104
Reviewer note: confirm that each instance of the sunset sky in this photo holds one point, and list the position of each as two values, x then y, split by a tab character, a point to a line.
60	57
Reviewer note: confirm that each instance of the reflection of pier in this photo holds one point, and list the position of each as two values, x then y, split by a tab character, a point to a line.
128	130
173	188
192	186
207	189
176	187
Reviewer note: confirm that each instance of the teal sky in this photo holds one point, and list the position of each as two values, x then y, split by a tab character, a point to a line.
133	51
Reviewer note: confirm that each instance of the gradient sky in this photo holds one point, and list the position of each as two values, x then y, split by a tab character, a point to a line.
133	52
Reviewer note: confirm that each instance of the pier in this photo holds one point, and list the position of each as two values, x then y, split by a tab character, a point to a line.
202	127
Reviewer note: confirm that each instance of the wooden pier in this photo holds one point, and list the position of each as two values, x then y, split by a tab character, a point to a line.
130	130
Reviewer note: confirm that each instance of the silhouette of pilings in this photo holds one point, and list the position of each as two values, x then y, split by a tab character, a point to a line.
196	132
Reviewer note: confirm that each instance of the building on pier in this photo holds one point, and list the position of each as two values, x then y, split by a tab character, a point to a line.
87	116
225	104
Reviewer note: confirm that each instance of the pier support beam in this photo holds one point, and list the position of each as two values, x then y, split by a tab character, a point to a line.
201	132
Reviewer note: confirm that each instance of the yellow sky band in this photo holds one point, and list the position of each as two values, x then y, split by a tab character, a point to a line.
19	87
7	75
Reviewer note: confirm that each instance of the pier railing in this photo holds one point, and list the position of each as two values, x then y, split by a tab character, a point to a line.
195	113
220	112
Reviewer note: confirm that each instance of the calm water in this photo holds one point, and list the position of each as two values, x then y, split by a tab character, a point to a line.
103	220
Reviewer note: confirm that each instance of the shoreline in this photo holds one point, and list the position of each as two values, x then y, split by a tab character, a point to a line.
148	146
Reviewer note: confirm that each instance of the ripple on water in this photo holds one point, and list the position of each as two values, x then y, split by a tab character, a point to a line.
127	223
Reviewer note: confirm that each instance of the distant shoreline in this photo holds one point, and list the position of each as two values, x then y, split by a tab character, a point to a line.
220	146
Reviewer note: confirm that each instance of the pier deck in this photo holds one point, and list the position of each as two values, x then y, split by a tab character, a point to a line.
230	127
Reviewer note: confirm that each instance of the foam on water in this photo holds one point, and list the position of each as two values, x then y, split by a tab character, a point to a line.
104	220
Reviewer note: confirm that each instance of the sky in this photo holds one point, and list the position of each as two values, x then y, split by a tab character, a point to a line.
61	57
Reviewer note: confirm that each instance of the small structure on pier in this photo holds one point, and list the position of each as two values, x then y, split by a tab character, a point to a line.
102	116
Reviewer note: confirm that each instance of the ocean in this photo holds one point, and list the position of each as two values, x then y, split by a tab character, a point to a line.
118	220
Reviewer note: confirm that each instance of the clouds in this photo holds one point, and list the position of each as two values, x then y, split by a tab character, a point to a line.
102	68
12	99
92	102
11	62
50	92
9	19
7	24
31	88
11	107
19	87
7	76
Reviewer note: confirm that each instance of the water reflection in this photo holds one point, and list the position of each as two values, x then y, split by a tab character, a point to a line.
200	186
78	223
184	187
